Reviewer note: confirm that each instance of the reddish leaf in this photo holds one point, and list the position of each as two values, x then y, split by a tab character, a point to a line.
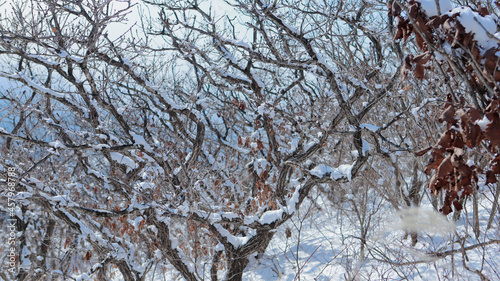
458	142
446	209
419	71
420	41
240	141
436	159
394	9
457	205
452	195
260	145
492	132
483	11
242	106
464	171
406	67
471	133
495	165
457	158
448	115
66	243
87	256
467	190
445	141
444	168
413	10
438	21
490	177
474	114
490	53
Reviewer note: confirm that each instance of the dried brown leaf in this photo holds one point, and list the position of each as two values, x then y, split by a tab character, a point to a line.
492	132
490	177
444	168
448	115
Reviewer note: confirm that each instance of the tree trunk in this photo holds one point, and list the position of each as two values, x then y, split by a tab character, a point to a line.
236	267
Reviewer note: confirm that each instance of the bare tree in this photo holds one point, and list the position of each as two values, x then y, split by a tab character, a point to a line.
188	146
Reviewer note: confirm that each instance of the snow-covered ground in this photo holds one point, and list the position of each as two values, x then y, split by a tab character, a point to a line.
326	245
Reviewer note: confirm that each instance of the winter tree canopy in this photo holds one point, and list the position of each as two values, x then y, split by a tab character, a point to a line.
187	140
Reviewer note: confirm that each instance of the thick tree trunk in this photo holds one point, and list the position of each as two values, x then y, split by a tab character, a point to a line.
236	268
238	259
44	248
21	227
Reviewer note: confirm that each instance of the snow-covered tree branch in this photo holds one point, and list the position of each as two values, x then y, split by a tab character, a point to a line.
189	138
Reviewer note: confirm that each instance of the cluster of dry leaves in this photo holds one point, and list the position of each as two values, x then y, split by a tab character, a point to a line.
472	117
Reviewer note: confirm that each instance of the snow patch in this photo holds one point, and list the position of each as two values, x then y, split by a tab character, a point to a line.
366	147
23	195
122	159
139	140
34	85
335	173
271	216
421	220
260	165
57	144
483	123
236	241
369	127
321	170
100	146
430	8
481	27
